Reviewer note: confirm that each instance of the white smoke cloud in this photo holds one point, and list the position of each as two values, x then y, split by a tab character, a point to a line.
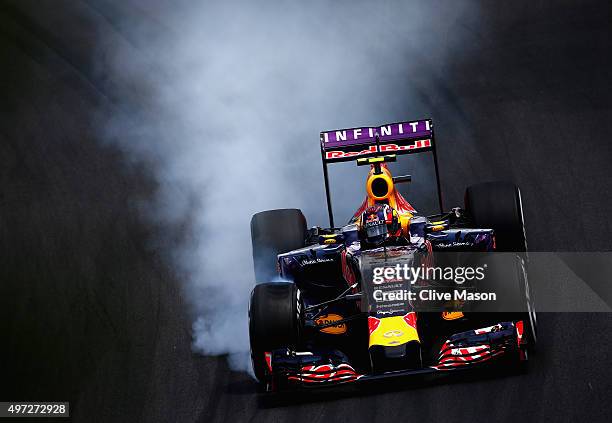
227	99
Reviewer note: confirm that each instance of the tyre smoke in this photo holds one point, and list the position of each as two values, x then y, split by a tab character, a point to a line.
226	99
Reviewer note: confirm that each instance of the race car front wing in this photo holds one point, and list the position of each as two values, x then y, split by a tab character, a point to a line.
460	351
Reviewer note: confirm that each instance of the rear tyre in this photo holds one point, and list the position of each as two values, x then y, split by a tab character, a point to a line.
275	321
275	232
497	205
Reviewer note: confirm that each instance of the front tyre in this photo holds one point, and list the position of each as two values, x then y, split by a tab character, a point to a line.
498	206
275	321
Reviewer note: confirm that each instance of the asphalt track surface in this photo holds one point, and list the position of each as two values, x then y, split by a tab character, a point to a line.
90	314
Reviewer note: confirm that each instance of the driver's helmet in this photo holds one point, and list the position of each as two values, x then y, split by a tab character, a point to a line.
379	223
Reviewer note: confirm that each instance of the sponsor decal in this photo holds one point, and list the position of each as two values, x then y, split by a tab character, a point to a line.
452	315
453	244
373	223
385	148
338	154
401	130
393	333
307	262
330	318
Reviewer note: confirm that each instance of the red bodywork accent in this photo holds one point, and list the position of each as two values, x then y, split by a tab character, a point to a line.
519	332
451	362
373	323
411	319
268	358
326	373
403	205
452	356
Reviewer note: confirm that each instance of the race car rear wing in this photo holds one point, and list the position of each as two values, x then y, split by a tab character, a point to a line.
394	138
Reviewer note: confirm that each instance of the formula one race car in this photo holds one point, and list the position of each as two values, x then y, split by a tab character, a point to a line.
331	305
